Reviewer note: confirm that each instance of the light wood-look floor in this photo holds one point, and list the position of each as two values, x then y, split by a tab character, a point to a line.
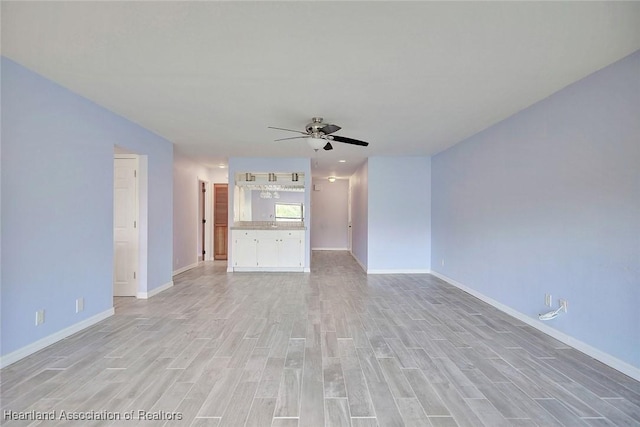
332	348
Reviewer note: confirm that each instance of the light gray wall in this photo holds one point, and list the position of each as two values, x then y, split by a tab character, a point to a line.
548	201
399	219
329	211
359	214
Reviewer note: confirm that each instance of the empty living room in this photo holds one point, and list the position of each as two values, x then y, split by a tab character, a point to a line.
320	213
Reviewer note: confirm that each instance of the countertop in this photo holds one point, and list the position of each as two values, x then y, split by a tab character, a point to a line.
268	225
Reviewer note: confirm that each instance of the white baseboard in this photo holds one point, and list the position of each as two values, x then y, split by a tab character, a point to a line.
156	291
188	267
607	359
269	269
400	271
329	249
28	350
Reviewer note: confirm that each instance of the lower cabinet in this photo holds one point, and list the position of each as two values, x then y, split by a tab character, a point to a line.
267	246
244	252
291	250
268	250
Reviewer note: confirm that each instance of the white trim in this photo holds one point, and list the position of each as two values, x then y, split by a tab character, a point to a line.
208	216
400	271
156	291
143	220
307	270
607	359
329	249
28	350
208	226
183	269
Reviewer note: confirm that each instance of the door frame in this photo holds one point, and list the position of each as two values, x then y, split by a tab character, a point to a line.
349	228
208	216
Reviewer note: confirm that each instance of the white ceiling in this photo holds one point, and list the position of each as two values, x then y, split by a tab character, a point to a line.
412	78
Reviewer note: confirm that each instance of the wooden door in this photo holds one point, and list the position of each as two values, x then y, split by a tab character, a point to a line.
220	221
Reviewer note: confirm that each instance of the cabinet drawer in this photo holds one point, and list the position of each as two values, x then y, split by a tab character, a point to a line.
292	234
267	234
244	234
279	234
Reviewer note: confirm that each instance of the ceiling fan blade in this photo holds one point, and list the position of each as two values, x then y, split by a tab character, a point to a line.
328	146
289	130
349	140
293	137
330	129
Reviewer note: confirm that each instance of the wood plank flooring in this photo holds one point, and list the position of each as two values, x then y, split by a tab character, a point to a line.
331	348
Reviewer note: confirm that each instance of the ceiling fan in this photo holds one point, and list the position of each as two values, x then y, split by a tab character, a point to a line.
318	135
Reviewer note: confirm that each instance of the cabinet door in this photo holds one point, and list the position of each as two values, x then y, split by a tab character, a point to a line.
268	251
290	251
244	252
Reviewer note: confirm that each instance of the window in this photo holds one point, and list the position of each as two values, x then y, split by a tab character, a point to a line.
289	212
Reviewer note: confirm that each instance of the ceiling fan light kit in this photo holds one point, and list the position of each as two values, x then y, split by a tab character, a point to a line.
318	135
316	142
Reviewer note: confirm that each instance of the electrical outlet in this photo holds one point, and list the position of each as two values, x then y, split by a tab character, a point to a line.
39	317
548	300
564	304
442	262
79	304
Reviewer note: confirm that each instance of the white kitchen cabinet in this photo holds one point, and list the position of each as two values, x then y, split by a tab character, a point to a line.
291	249
244	248
268	250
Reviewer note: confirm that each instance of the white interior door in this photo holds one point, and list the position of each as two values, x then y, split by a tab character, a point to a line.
200	250
125	222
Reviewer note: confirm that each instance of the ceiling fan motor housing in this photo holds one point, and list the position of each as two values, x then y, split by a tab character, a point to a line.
315	126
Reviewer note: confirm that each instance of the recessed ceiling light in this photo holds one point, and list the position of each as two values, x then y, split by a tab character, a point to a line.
222	166
342	161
